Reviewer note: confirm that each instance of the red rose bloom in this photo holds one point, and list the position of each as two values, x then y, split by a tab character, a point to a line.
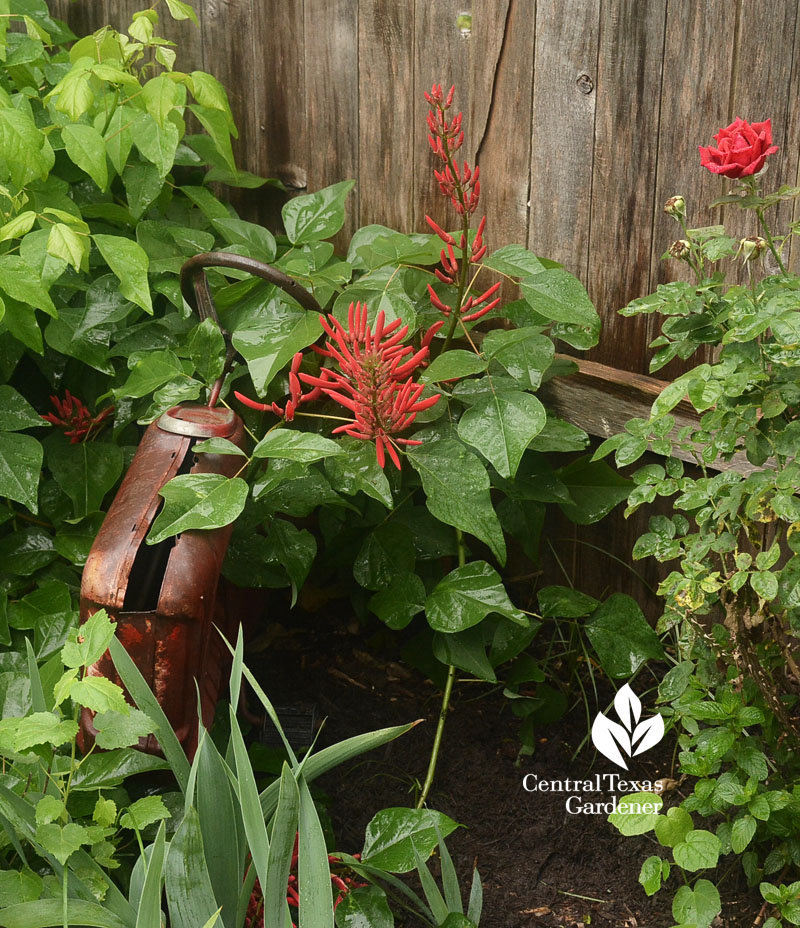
742	149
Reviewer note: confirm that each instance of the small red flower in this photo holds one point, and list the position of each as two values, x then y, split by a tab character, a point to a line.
742	149
374	379
295	397
72	415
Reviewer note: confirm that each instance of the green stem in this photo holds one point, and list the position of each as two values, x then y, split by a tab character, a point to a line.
770	241
64	896
448	690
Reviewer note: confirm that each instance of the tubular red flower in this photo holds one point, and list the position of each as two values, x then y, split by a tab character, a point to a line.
72	415
446	237
373	377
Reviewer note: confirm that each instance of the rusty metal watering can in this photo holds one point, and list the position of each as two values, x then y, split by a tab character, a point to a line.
166	598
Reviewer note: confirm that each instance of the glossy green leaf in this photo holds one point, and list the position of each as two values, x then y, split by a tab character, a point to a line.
393	836
467	651
157	144
357	470
398	602
457	489
254	825
150	372
198	501
85	471
364	907
466	596
622	637
24	148
218	446
20	465
515	261
62	841
238	232
70	246
501	427
110	768
18	226
160	95
129	262
218	126
43	728
565	603
21	282
316	216
87	148
558	295
452	365
525	353
385	552
595	490
296	446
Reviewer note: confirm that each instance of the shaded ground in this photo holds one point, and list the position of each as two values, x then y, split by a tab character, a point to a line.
540	866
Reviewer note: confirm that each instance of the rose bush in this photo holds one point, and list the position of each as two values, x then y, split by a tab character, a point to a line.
742	149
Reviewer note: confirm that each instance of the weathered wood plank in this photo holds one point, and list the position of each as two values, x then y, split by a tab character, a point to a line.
387	113
332	65
565	94
629	87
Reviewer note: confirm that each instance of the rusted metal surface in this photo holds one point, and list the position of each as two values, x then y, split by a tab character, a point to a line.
164	598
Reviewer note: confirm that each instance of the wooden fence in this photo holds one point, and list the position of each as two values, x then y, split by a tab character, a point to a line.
584	115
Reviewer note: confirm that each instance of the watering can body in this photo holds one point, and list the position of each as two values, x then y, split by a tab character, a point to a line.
165	598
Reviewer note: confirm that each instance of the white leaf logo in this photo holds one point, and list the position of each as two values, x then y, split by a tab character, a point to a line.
632	736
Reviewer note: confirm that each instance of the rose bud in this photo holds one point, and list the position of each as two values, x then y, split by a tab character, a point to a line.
752	247
675	206
680	249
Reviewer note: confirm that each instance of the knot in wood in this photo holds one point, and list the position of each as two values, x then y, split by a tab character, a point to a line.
585	83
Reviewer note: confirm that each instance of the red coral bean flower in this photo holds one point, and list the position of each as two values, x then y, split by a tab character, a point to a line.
742	148
295	395
373	378
72	415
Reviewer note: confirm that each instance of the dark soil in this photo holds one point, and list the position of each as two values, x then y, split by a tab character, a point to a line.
540	866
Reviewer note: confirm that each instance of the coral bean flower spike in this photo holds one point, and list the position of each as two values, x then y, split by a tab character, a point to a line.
373	378
72	415
742	148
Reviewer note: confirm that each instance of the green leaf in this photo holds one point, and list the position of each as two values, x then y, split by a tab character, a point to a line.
24	149
453	364
198	501
669	398
393	836
467	651
218	446
149	909
74	542
43	728
144	812
622	637
385	552
296	446
558	295
514	260
501	427
765	583
398	603
189	894
65	243
129	262
525	353
637	813
206	348
98	694
157	144
269	341
119	138
357	470
673	827
16	413
651	874
457	488
699	850
87	148
150	372
49	913
595	490
180	10
110	768
562	602
466	596
160	96
257	238
62	842
364	907
742	832
85	472
89	643
316	216
20	465
293	548
115	730
18	226
21	282
698	905
218	126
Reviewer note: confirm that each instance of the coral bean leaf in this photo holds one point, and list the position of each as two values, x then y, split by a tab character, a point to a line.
316	216
85	471
87	149
466	596
622	637
454	364
525	353
558	295
595	490
398	603
501	427
129	262
198	501
296	446
20	466
22	283
364	906
457	489
393	836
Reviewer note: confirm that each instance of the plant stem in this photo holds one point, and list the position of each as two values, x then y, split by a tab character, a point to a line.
64	896
448	689
770	241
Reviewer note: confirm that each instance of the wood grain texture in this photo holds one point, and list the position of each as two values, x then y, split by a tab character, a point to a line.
332	69
565	94
626	146
387	113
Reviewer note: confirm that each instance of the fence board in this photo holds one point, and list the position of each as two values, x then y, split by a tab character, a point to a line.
565	93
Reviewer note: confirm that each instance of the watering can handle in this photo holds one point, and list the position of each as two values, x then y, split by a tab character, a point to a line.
195	290
194	283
